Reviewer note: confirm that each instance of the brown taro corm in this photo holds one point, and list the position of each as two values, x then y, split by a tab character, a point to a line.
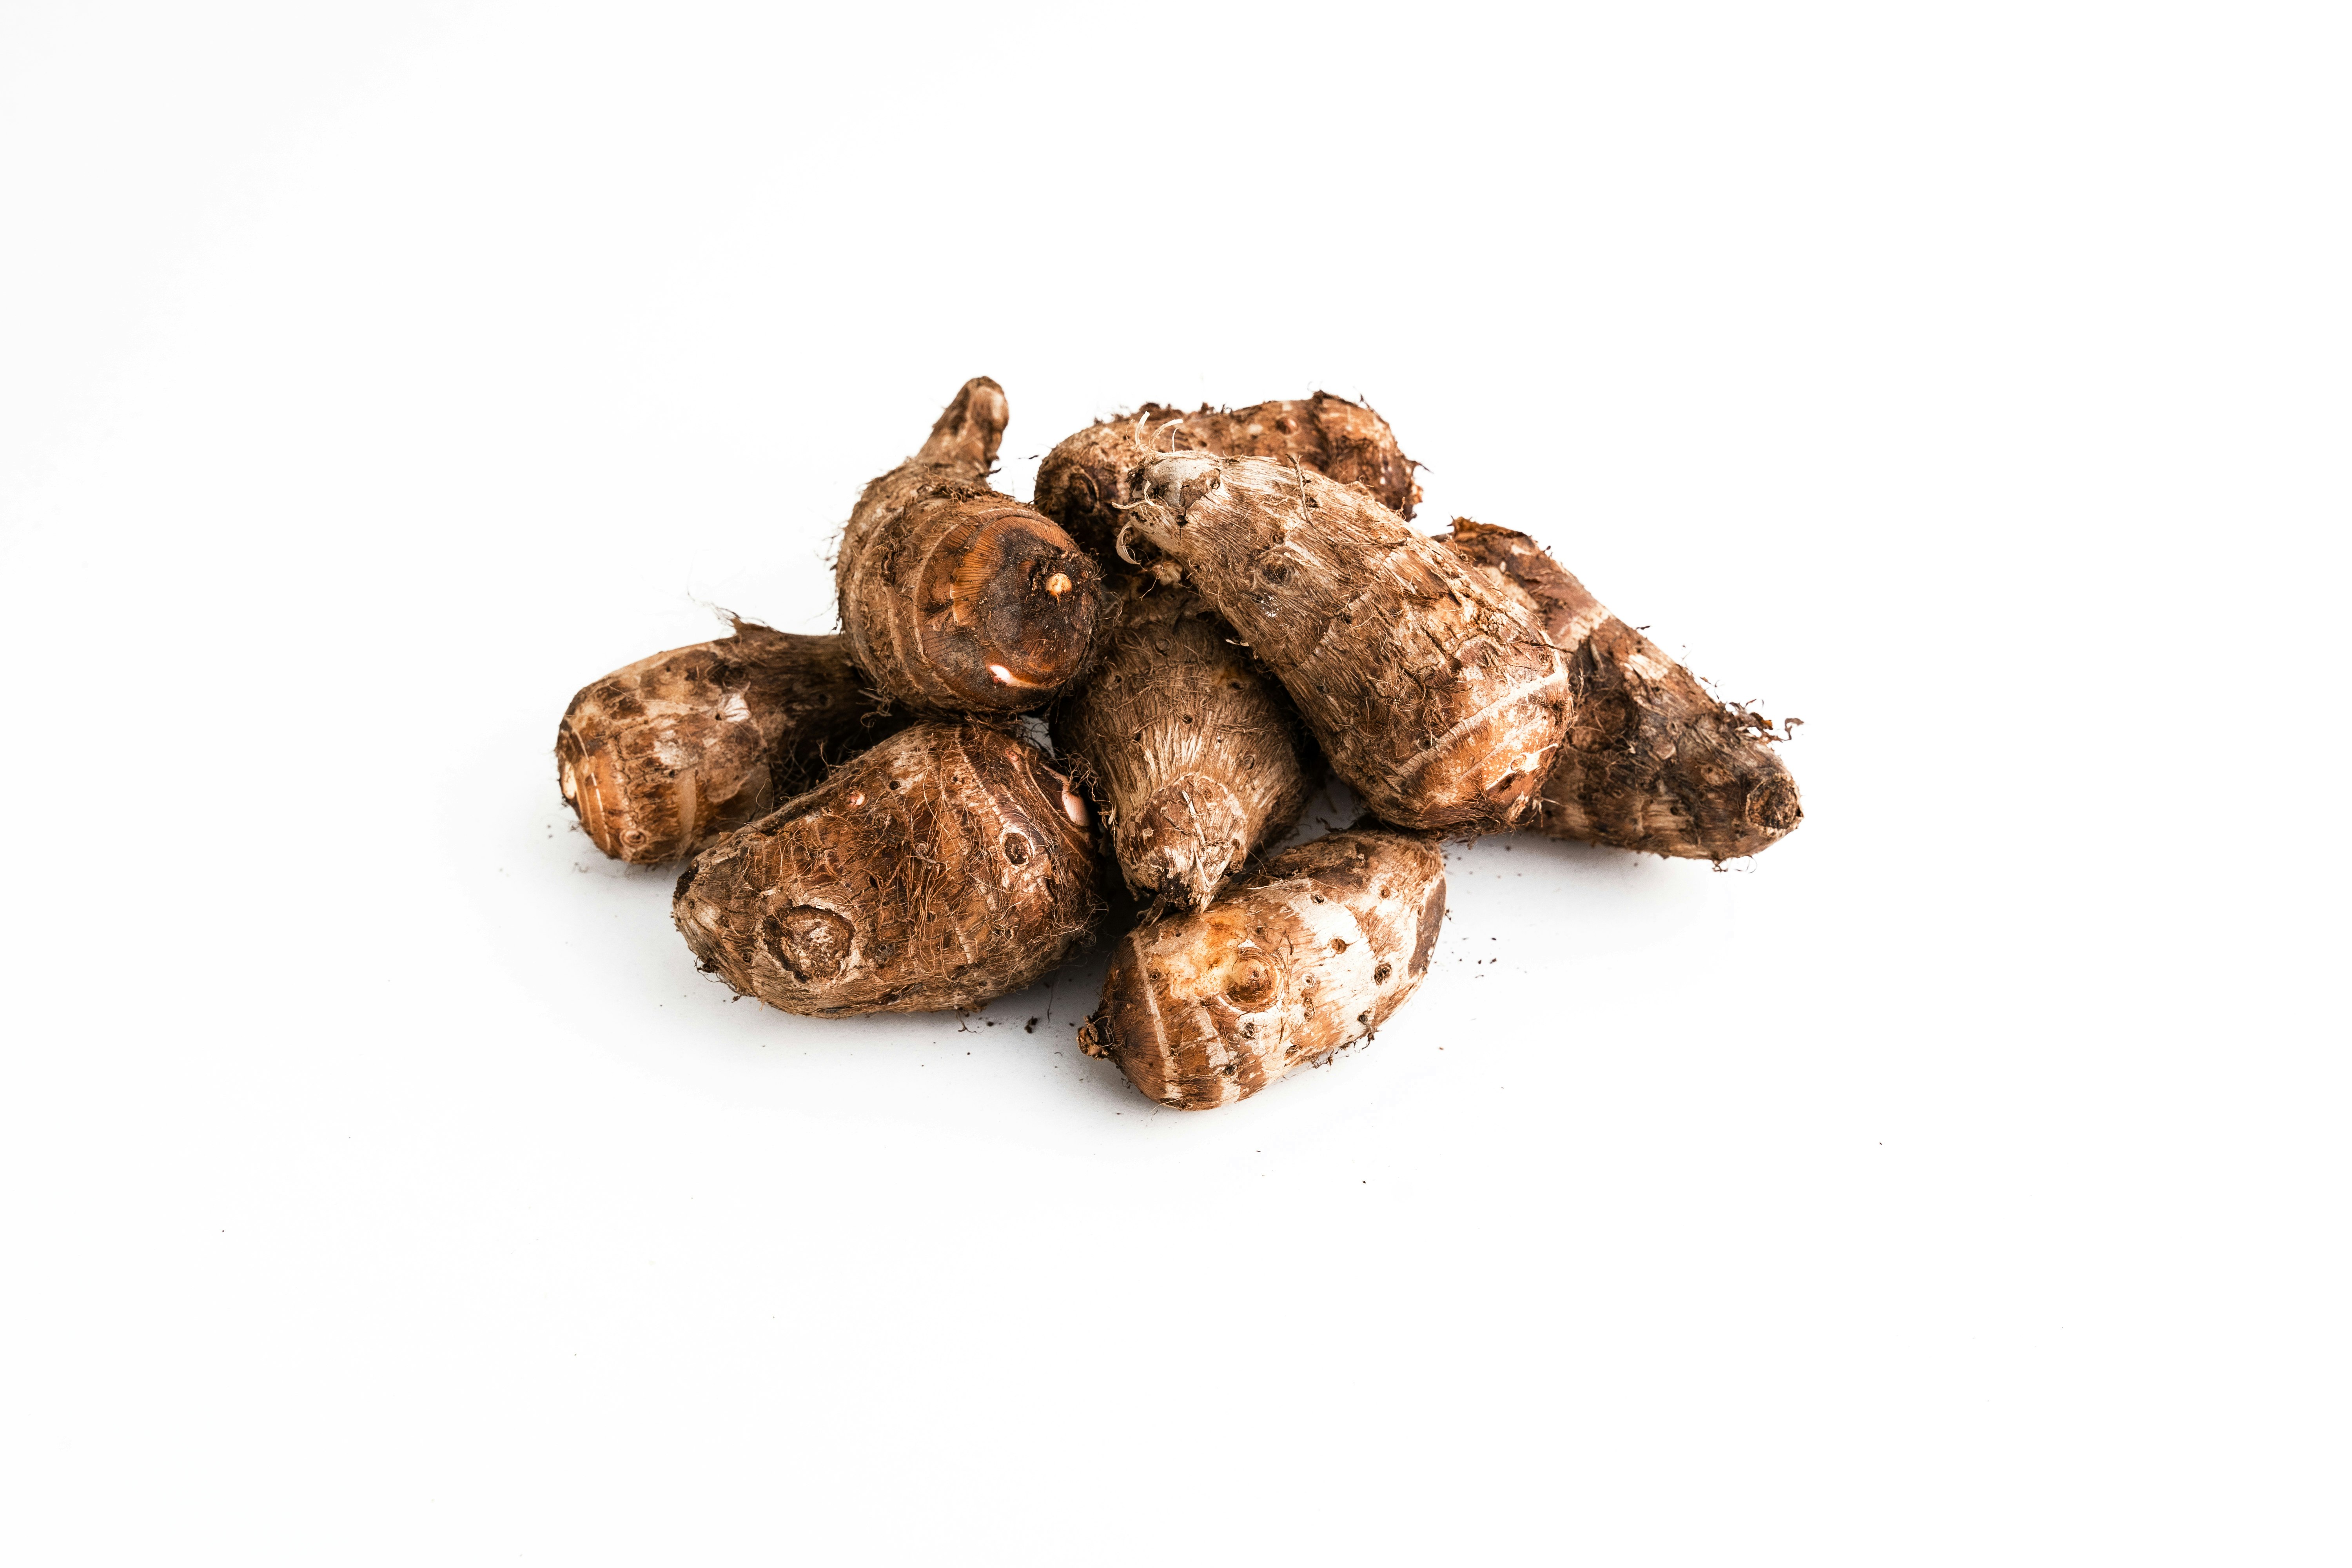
956	598
1085	481
662	756
1426	680
1652	760
1192	755
1312	950
941	868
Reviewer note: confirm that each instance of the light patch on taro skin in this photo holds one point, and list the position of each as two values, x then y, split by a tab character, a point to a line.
1072	807
734	710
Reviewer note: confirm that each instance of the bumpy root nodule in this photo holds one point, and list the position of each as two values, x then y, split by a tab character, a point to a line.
946	866
1085	482
1195	755
1652	761
1311	952
954	597
1434	692
662	756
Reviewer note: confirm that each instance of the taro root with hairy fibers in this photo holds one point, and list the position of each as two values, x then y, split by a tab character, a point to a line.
956	598
1426	680
661	756
1311	952
1652	761
1193	755
1085	482
944	867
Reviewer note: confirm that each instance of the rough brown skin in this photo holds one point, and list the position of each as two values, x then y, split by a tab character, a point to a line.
1193	755
1426	680
662	756
1309	953
1653	761
944	867
1085	481
957	599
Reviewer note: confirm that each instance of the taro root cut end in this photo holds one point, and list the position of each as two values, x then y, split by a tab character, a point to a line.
1024	601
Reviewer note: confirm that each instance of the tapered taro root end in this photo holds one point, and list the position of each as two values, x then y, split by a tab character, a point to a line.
1194	754
1087	481
1312	951
968	432
1652	760
664	755
946	866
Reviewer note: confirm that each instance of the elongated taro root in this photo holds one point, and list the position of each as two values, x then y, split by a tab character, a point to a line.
1431	687
664	755
947	866
1311	952
1195	755
1085	481
956	598
1652	760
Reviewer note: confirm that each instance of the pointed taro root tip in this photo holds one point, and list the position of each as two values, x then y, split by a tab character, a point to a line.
971	429
1194	754
1086	480
1652	761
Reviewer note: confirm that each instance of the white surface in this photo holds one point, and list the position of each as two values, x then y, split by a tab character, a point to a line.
1963	1181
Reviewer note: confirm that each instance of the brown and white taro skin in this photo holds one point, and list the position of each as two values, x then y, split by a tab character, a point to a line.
1652	761
1425	678
1193	754
1311	952
1085	481
955	598
944	867
661	756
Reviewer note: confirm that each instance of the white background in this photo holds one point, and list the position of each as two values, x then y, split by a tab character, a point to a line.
1963	1181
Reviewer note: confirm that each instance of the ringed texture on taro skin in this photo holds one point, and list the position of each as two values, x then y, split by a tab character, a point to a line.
665	755
1428	683
956	598
1086	482
1311	952
1194	755
940	869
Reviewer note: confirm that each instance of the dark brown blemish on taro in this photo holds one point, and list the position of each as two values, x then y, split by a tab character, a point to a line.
813	944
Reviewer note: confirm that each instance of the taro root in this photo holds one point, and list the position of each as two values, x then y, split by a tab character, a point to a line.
1652	760
1194	755
955	598
944	867
1085	481
1311	952
662	756
1426	680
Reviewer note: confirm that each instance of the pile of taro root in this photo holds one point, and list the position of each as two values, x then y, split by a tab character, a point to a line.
1207	610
